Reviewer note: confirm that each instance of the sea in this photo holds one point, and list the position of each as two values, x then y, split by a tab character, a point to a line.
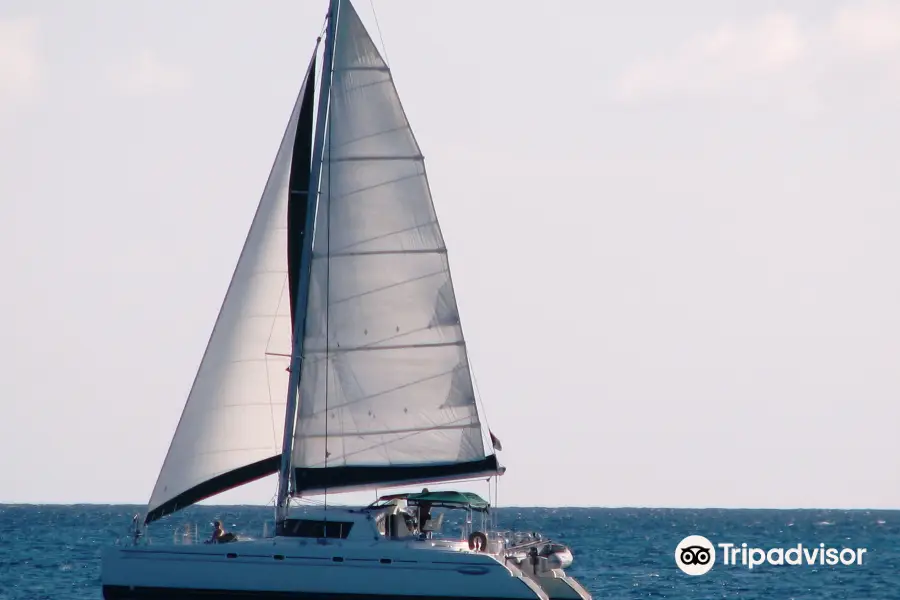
53	552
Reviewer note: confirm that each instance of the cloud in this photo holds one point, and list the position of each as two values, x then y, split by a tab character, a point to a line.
147	75
20	65
871	30
778	59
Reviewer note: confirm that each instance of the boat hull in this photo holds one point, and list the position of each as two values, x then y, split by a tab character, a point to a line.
288	569
157	593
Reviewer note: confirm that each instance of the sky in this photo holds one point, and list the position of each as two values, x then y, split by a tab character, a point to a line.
671	227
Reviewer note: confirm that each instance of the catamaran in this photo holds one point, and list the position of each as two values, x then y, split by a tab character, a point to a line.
338	362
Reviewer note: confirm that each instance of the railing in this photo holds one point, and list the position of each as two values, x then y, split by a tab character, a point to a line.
519	540
186	534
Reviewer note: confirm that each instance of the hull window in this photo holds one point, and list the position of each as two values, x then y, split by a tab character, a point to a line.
309	528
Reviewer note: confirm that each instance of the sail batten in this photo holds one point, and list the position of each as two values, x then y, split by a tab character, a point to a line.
386	395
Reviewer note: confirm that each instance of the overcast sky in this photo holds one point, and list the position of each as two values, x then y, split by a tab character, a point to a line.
672	229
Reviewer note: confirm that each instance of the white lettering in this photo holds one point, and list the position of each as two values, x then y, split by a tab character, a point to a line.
726	548
757	557
794	555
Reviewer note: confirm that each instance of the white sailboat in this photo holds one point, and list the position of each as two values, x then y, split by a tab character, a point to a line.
338	361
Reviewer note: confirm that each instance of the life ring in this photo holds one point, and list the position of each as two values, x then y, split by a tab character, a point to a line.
478	542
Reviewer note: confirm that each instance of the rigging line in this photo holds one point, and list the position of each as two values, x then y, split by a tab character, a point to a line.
497	494
491	503
380	37
329	132
480	401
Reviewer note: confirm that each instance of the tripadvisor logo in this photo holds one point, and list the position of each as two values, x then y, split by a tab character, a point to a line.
696	555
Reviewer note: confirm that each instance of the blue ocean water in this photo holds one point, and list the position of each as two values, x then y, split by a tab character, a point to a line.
52	552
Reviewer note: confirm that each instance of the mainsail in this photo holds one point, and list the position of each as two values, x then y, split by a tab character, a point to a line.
386	394
230	432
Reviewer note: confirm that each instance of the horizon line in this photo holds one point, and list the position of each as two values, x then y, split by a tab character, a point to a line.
510	506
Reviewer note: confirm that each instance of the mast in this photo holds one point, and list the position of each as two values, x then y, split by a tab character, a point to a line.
284	476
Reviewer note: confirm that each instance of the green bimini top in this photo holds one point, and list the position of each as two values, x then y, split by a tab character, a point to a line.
448	499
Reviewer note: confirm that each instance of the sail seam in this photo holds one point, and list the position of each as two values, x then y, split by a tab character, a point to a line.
384	69
395	431
388	252
387	287
336	148
405	334
398	388
371	188
416	157
406	435
340	350
383	236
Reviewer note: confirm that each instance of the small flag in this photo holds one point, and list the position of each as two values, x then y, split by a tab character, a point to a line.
495	442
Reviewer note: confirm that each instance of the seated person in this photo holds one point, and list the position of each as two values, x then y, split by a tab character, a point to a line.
219	535
409	521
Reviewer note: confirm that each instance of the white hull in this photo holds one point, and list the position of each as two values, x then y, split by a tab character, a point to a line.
295	568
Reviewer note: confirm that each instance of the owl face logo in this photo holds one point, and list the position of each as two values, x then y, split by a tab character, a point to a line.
695	555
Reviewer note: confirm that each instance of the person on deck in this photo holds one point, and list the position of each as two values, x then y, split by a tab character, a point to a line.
218	533
424	511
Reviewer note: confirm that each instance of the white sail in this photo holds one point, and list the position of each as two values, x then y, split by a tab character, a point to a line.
233	421
385	380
